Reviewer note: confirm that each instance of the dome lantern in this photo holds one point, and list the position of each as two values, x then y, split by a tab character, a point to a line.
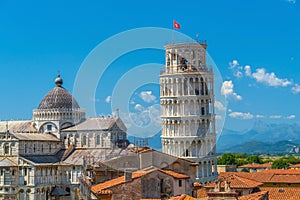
58	81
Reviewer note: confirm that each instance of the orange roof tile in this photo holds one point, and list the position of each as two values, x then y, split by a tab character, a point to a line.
257	165
117	181
174	174
296	165
183	197
196	184
254	196
287	193
201	193
236	182
269	176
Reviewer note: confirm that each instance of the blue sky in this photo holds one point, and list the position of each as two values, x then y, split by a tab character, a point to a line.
39	38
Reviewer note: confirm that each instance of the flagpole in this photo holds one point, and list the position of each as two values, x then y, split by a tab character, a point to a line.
173	32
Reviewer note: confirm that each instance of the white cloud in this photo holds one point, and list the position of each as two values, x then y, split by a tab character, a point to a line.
138	107
296	89
236	68
238	74
291	1
247	69
227	90
233	64
275	116
291	117
269	79
147	96
219	106
145	116
108	99
241	115
260	116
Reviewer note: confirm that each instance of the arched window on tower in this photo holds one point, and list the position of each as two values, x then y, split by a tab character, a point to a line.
186	153
84	140
98	139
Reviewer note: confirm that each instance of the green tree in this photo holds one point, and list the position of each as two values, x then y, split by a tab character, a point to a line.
254	159
280	164
227	159
292	159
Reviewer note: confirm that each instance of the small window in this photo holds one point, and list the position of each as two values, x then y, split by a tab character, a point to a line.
84	140
180	183
6	149
98	139
13	172
202	111
49	127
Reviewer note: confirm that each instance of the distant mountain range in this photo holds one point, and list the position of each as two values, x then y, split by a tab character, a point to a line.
261	138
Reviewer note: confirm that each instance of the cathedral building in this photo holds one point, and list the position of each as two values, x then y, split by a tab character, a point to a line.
187	104
42	158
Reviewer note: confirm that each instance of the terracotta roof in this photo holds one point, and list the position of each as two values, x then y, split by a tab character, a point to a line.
117	181
196	184
269	176
256	165
287	193
174	174
183	197
201	193
254	196
281	171
296	165
120	180
236	182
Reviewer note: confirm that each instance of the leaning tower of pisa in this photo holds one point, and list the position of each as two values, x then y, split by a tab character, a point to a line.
187	104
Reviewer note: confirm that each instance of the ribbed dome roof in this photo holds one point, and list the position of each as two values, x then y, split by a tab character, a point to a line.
58	97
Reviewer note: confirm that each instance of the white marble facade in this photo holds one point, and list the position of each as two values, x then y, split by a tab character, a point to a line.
42	158
187	104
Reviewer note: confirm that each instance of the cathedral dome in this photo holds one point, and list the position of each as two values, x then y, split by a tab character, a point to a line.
58	97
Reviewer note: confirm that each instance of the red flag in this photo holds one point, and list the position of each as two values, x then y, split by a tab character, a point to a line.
176	25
